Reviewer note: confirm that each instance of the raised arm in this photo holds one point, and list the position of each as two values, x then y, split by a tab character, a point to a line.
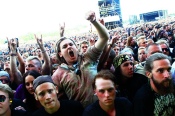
101	29
46	67
62	27
15	73
21	66
106	52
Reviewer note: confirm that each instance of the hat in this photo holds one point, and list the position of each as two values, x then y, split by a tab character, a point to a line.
127	51
42	79
120	59
4	73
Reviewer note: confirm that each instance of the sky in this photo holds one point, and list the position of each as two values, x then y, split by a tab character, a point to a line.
19	17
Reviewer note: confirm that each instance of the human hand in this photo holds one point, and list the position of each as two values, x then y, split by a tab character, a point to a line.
13	45
62	27
20	108
39	41
90	16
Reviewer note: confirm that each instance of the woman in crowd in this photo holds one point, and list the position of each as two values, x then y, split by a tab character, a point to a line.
25	91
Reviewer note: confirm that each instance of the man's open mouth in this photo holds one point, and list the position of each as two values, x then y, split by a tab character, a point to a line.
71	53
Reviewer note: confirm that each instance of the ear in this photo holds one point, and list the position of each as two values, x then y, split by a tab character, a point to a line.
148	74
59	53
36	97
56	88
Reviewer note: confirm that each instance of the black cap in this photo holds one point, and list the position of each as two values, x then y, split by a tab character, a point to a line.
42	79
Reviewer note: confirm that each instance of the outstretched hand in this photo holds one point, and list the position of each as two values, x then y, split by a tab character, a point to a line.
90	16
13	45
62	28
39	41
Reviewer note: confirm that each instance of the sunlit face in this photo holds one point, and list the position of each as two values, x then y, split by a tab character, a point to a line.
31	65
54	59
117	50
142	55
46	94
4	106
105	91
161	74
38	52
68	51
29	84
84	48
143	43
7	65
127	69
164	49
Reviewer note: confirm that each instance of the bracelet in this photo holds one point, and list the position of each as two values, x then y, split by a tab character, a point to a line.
13	54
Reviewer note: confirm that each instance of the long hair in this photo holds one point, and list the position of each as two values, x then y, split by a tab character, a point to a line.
30	99
128	42
57	50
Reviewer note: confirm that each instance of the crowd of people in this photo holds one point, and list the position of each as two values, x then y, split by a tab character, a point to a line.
121	72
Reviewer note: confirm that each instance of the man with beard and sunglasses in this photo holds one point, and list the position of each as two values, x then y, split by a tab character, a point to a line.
75	72
156	98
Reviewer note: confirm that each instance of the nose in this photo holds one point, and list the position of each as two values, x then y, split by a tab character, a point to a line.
166	74
31	85
106	94
48	96
130	66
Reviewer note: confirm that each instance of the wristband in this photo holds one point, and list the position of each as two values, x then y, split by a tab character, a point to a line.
13	54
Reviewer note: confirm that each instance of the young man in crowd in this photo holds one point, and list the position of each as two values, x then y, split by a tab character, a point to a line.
156	98
76	72
128	82
46	93
104	86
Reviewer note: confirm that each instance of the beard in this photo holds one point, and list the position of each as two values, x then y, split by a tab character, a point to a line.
164	87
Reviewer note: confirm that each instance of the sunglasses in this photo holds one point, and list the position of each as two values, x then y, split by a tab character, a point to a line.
2	98
4	80
165	49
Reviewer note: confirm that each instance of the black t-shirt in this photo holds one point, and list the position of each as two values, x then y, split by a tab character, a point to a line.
122	105
16	103
67	108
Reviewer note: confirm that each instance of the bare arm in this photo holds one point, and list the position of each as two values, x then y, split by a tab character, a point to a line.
62	27
46	67
14	73
106	53
21	66
101	29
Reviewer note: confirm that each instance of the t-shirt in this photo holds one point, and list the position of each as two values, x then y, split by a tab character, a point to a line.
76	81
123	107
67	108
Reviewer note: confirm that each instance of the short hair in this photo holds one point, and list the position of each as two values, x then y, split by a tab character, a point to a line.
7	89
162	41
153	44
141	48
138	40
104	74
83	42
39	63
156	56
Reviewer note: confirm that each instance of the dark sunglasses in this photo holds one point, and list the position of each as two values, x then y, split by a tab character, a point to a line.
166	49
2	98
4	80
